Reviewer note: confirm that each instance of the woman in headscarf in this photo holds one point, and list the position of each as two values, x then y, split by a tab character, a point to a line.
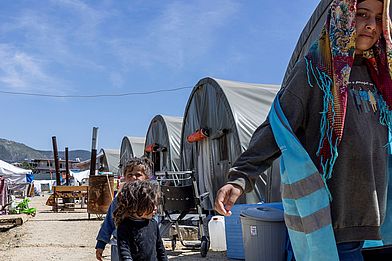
336	107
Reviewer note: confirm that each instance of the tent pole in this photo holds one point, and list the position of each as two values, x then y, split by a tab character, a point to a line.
56	160
93	159
66	166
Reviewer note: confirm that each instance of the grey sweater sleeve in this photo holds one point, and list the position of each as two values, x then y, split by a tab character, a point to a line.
263	150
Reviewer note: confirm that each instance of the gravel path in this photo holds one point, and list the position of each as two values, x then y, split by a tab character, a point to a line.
67	237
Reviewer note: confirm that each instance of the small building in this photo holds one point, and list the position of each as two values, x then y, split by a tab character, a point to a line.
44	169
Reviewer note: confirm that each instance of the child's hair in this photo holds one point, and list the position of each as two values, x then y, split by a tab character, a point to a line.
144	161
135	199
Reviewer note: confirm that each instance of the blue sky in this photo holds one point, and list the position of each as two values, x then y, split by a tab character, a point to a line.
74	47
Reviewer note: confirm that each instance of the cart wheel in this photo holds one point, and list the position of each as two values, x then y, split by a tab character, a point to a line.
205	245
173	243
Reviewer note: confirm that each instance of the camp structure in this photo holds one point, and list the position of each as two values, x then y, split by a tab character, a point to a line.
309	34
130	147
219	120
16	178
163	142
108	161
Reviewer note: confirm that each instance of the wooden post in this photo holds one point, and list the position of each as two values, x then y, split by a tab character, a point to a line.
66	167
56	160
93	160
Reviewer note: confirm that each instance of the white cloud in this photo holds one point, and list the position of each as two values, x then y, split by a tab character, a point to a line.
45	43
93	37
183	31
87	18
20	71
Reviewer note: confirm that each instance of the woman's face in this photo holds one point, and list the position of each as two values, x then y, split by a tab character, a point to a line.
368	24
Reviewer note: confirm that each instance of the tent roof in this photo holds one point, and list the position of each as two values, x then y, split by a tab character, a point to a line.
9	169
309	34
135	143
112	158
249	103
168	128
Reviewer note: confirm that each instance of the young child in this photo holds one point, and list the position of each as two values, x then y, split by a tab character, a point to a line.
134	169
138	235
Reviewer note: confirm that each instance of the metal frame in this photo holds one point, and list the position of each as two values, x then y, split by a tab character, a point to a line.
182	180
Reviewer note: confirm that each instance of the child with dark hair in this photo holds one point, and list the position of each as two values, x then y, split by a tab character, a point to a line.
138	235
134	169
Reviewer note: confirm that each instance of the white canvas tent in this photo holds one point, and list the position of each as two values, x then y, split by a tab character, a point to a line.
230	111
81	175
13	174
47	183
163	140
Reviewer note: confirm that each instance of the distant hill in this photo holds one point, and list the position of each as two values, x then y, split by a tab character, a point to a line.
12	151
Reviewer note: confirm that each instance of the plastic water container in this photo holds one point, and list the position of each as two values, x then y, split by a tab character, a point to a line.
264	234
216	230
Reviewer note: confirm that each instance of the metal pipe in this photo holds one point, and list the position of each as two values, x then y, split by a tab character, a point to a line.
66	167
56	160
93	160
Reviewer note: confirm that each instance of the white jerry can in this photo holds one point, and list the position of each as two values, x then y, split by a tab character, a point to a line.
216	230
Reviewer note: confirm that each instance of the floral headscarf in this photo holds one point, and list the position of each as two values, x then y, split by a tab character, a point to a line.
330	60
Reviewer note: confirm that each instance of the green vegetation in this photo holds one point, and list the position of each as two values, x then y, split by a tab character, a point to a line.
23	207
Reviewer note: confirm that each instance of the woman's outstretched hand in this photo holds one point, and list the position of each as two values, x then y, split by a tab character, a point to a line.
226	197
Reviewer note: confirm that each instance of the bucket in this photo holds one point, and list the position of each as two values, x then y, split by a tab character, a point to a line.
216	230
100	193
264	234
234	242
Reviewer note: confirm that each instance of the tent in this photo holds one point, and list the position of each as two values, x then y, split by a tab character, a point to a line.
219	120
44	183
15	175
130	147
108	160
163	142
309	34
80	175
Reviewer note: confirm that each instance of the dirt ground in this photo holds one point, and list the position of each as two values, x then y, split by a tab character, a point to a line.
67	236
